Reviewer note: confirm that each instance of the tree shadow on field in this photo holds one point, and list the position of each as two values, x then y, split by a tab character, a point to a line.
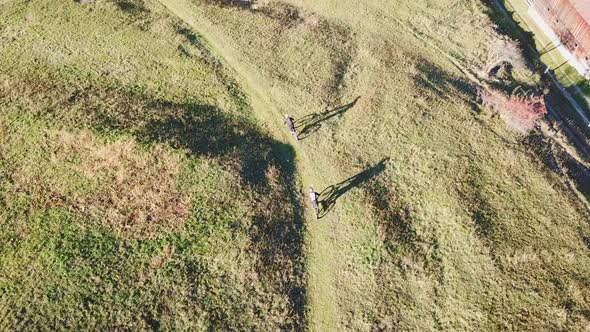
330	195
200	129
132	7
579	173
432	78
312	122
204	130
266	166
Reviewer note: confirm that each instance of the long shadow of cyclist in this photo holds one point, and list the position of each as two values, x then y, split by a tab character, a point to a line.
312	122
330	195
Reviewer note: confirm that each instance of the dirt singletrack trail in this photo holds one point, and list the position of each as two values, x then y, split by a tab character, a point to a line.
322	305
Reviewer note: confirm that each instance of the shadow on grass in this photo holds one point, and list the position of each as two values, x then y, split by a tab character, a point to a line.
131	7
204	130
561	162
312	122
579	173
265	165
432	78
266	169
330	195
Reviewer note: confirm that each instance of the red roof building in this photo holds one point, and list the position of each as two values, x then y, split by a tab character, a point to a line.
570	21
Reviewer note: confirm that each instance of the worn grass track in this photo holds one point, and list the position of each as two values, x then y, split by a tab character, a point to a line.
437	215
116	178
269	109
411	250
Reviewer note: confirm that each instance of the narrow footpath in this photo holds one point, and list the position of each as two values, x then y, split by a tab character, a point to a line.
322	311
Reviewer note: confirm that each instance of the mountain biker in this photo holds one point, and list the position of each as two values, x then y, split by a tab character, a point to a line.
290	121
314	201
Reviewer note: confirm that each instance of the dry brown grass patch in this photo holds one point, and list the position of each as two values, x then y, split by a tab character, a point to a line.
134	191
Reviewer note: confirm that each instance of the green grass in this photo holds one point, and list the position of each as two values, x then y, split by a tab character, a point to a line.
147	182
131	178
460	202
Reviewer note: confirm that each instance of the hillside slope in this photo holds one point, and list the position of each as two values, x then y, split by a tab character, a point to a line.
460	206
147	181
136	190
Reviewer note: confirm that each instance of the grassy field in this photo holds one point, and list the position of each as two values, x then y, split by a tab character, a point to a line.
134	181
146	180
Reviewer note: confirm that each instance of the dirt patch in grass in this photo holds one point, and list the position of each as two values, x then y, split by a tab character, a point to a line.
286	15
243	4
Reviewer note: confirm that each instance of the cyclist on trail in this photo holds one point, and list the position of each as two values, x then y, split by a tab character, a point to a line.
290	121
314	201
